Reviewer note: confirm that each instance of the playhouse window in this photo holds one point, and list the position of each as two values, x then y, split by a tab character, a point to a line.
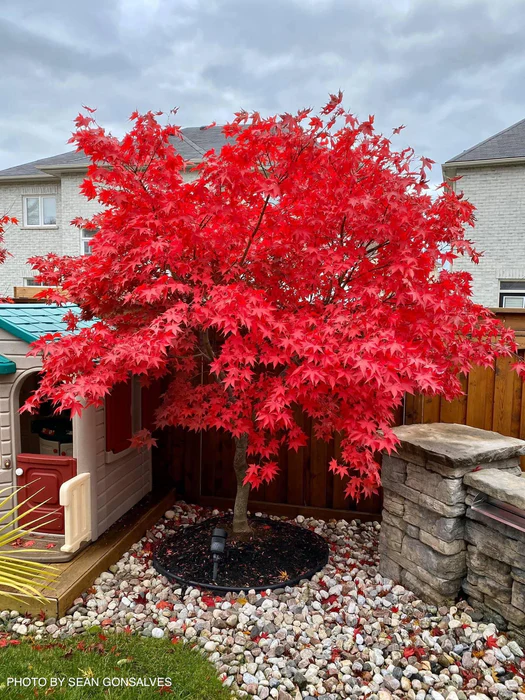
119	417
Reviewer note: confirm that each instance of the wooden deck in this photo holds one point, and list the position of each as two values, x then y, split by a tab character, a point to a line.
78	574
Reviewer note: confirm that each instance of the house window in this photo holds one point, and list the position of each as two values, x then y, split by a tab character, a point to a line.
87	235
31	282
512	294
40	211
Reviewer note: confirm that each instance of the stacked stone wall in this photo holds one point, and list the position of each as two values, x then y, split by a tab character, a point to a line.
422	534
433	539
495	581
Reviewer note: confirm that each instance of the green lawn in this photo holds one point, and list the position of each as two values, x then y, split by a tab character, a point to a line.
106	658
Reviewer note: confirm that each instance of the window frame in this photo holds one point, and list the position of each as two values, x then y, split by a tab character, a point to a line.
40	198
86	238
518	295
135	409
515	290
30	282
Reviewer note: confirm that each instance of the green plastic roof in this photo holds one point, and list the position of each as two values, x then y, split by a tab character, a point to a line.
31	321
7	366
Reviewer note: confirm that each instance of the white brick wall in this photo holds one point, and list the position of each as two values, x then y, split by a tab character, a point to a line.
498	193
24	243
64	239
74	204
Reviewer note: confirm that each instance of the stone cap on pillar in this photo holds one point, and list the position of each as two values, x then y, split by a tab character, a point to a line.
460	448
508	488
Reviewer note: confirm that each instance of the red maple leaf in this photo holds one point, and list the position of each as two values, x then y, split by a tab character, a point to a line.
491	642
209	601
335	654
418	652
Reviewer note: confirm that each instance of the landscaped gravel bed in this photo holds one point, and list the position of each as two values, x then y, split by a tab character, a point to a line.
347	633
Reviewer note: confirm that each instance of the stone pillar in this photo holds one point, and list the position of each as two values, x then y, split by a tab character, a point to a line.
495	582
422	542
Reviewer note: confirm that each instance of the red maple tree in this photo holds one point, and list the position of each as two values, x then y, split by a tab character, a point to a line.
306	267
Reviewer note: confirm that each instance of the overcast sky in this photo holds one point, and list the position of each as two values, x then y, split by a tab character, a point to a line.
451	70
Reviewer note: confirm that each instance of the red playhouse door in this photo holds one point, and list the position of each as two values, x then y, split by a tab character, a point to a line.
42	476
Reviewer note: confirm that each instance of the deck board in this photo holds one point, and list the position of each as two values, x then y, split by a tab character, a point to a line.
78	574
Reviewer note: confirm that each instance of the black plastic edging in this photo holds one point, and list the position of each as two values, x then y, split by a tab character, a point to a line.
236	589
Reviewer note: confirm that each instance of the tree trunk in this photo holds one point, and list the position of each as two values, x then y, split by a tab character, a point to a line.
240	510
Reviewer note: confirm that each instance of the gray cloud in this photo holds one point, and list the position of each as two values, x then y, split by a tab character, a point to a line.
451	70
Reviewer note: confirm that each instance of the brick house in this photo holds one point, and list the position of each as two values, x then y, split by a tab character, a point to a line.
493	179
44	196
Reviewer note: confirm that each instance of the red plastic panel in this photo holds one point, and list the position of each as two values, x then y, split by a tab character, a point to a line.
119	424
42	477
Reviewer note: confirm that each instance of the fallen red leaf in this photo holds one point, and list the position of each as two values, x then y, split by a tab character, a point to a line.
492	642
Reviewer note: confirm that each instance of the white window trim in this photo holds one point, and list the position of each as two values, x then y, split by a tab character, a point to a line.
84	238
40	198
517	293
514	296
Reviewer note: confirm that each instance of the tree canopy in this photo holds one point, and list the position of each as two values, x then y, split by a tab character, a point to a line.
306	266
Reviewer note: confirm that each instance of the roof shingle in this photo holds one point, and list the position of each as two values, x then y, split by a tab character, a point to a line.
509	143
195	142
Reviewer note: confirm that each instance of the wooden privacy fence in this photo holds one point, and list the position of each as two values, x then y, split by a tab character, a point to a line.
494	397
303	484
201	464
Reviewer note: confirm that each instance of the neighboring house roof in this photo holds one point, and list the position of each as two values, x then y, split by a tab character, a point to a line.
7	366
195	142
31	321
507	144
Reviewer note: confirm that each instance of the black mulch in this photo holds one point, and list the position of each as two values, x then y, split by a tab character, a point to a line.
276	554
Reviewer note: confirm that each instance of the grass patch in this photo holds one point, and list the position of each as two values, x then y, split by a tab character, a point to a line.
91	663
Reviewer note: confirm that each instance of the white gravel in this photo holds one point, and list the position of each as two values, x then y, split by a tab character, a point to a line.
347	633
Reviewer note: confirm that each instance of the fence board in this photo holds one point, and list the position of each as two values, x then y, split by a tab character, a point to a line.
480	397
413	406
455	411
295	468
317	479
431	409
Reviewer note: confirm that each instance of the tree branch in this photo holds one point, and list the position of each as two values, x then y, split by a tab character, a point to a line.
257	226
